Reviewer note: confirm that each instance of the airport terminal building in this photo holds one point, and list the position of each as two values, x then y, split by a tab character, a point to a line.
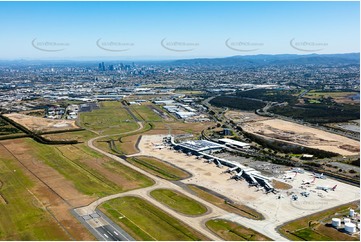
197	146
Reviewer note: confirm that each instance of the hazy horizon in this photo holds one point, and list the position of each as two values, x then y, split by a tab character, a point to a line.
159	59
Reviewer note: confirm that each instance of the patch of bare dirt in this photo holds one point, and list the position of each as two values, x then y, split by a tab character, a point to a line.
39	124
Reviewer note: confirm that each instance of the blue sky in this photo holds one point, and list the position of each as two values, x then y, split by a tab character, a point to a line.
198	29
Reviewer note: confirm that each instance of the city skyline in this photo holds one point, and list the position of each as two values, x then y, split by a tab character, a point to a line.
155	31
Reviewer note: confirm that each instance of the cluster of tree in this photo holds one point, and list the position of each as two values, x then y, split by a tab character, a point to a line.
319	113
6	128
271	95
356	162
237	102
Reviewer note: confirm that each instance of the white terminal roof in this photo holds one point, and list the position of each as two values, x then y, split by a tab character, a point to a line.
234	142
200	145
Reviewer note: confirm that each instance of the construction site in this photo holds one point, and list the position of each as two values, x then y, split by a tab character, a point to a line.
293	133
38	124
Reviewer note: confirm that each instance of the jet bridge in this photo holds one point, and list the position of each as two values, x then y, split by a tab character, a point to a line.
238	176
219	165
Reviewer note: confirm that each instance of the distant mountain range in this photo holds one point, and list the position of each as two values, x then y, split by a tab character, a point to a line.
240	61
284	59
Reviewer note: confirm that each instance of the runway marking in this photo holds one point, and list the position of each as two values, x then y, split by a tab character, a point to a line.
125	237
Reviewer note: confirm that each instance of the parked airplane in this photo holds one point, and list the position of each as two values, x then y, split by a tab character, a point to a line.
297	170
326	188
158	146
318	175
305	182
305	194
229	170
238	176
209	161
289	176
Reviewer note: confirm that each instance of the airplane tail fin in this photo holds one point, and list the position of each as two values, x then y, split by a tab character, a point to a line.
333	189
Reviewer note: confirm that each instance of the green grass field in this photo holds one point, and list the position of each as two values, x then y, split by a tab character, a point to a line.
188	91
129	174
127	144
22	216
239	209
309	228
124	127
72	164
86	180
110	118
143	221
234	232
80	136
178	202
146	113
318	94
311	235
158	168
130	178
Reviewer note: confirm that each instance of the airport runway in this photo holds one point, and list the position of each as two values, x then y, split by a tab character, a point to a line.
102	227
